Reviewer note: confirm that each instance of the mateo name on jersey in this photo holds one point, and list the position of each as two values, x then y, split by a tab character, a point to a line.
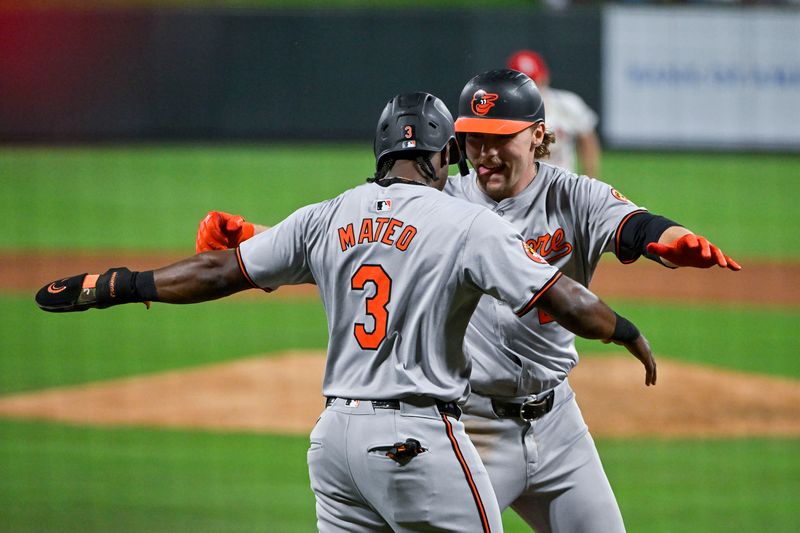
381	230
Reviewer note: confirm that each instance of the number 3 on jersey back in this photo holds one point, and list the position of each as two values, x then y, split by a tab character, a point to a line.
376	305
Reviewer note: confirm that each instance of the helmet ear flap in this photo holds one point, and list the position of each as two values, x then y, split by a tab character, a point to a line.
461	141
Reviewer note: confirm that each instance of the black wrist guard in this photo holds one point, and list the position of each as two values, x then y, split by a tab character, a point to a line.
624	331
121	286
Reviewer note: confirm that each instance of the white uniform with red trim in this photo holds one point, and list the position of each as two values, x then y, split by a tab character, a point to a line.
548	469
568	117
400	269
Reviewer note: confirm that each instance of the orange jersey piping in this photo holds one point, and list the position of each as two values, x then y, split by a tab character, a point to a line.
244	271
528	306
467	474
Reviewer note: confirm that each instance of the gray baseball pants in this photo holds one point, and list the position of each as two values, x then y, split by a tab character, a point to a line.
547	470
358	488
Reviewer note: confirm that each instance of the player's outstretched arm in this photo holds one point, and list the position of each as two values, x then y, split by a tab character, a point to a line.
679	247
668	243
583	313
219	231
203	277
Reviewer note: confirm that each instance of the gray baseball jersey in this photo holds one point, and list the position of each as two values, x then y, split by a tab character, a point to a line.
571	221
400	270
547	469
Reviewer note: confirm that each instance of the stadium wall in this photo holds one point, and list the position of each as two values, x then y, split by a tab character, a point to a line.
163	74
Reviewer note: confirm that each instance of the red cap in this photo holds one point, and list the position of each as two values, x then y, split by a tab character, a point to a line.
530	63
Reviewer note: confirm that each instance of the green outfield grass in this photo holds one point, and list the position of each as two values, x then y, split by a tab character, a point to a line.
152	197
62	478
745	203
127	340
758	340
705	486
68	479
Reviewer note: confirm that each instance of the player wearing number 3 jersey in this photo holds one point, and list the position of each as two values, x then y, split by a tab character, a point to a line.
400	268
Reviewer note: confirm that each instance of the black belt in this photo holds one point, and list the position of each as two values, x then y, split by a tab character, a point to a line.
450	409
528	410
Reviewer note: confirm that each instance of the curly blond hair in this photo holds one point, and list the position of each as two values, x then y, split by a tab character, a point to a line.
543	150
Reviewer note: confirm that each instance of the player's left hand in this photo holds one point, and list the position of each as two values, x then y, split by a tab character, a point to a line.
85	291
692	251
220	231
640	349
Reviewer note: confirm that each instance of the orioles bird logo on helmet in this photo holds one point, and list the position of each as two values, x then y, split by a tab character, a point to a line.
482	102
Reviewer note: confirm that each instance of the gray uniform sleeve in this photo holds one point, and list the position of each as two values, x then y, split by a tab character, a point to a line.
498	262
279	255
605	210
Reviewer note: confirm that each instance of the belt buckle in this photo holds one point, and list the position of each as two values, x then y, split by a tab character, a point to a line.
532	409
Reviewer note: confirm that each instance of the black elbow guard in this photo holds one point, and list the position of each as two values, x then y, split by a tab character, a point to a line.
637	232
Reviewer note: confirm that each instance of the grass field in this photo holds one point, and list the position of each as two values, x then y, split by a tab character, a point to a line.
153	196
57	477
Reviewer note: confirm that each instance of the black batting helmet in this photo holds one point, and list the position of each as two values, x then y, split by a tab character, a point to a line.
412	123
501	102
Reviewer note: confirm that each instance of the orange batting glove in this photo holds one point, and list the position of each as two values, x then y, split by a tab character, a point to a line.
693	251
220	230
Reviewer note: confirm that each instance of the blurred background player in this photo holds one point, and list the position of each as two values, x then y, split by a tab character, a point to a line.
577	147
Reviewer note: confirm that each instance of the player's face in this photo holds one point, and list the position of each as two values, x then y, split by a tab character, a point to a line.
504	163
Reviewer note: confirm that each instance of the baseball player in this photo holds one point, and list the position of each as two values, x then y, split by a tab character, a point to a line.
400	268
522	414
568	117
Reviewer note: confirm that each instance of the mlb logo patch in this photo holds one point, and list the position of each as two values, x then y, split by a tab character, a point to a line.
409	144
381	206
